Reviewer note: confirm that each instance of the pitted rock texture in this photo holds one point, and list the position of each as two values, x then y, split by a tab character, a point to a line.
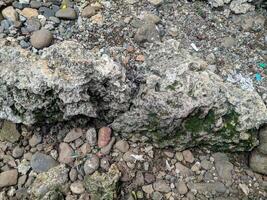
180	102
65	81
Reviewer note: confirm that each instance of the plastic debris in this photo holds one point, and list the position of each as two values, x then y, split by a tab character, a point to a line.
194	47
262	65
258	77
245	82
138	157
169	168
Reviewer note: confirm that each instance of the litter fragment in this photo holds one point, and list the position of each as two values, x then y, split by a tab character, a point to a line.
244	81
194	47
244	188
138	157
258	77
262	65
169	168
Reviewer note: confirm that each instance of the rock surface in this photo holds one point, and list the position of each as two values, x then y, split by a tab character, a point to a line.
52	180
8	178
103	186
181	105
42	163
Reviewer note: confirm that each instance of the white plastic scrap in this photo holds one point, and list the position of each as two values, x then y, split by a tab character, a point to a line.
169	168
138	157
244	188
245	82
194	47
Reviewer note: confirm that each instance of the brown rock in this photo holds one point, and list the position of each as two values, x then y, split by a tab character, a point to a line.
65	153
29	13
41	38
74	134
10	13
89	11
8	178
104	136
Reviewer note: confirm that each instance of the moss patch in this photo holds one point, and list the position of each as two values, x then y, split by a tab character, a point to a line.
195	124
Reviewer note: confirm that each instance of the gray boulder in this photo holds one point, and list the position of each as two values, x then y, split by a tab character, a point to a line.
184	104
180	102
65	81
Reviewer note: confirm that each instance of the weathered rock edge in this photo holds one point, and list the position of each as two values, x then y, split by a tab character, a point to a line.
180	103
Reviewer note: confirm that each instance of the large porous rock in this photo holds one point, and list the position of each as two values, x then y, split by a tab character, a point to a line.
65	81
184	104
178	101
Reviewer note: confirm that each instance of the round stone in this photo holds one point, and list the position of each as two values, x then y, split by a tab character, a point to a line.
17	152
42	38
91	164
122	146
77	187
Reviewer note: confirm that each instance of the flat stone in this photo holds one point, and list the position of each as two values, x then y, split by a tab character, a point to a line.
74	134
9	132
77	187
33	25
10	13
207	187
188	156
47	12
149	178
35	139
89	11
8	178
73	174
91	136
29	13
122	146
155	2
65	153
148	189
41	162
223	166
205	164
258	162
91	164
41	38
161	186
66	13
181	187
18	152
183	170
35	4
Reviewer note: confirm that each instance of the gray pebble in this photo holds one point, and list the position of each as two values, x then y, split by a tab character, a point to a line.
41	162
91	164
17	152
